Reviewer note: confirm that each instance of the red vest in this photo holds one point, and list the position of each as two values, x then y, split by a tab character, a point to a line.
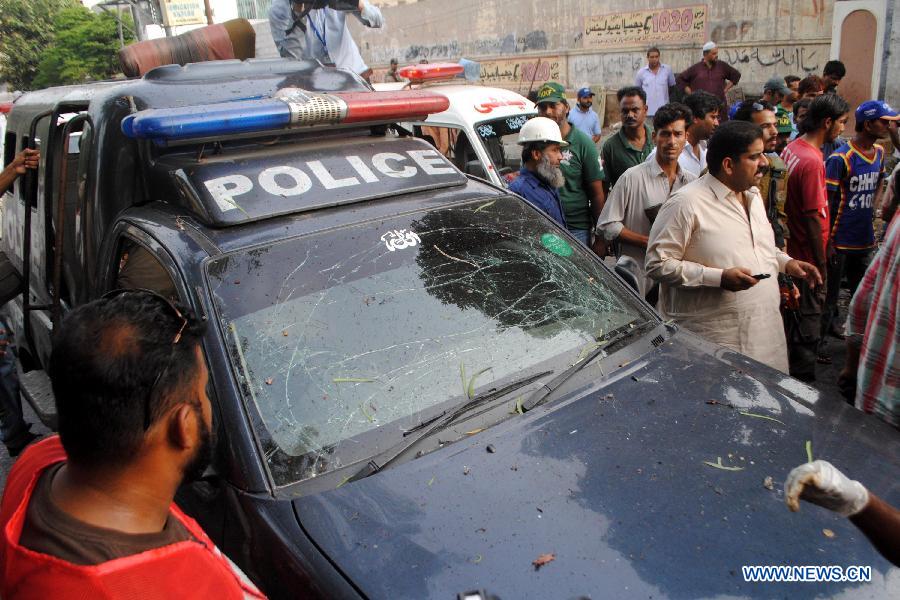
190	569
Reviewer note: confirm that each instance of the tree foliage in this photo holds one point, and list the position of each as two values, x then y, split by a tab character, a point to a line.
56	42
26	30
85	48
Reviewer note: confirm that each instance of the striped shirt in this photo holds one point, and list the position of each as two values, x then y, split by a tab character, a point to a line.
875	317
852	179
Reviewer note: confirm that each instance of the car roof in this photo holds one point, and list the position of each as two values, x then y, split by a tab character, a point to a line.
476	103
197	83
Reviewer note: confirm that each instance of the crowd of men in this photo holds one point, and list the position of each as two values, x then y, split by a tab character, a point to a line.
744	222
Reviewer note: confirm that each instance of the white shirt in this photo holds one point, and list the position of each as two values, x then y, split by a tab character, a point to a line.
656	85
701	230
327	38
639	188
687	160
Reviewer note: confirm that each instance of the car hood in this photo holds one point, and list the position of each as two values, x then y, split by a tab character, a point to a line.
614	481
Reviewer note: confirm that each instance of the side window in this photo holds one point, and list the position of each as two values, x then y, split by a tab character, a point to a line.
138	267
455	145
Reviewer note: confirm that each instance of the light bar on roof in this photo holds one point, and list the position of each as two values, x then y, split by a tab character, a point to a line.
292	109
431	71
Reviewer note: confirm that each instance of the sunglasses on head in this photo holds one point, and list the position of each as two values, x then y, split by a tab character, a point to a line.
177	338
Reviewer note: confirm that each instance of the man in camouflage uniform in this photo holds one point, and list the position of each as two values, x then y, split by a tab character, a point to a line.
772	186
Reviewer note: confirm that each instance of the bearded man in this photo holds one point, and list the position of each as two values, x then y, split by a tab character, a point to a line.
540	178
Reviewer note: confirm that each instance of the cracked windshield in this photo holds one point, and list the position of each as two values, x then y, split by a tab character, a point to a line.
353	336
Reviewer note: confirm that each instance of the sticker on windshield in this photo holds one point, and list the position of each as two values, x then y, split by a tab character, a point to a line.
398	239
486	131
515	123
556	244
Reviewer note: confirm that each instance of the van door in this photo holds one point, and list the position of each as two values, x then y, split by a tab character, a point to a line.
49	222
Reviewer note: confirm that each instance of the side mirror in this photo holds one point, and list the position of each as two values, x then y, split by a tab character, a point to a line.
627	269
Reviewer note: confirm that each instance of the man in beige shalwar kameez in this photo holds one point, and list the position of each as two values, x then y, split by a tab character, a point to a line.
713	251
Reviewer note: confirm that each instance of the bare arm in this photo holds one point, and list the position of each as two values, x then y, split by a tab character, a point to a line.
369	15
632	237
683	80
24	160
814	235
881	523
821	483
597	197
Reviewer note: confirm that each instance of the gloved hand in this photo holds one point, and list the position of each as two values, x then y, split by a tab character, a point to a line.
821	483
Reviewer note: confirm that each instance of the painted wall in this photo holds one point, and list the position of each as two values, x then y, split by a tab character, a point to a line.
892	82
761	38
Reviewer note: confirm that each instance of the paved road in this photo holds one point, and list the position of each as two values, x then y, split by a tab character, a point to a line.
5	460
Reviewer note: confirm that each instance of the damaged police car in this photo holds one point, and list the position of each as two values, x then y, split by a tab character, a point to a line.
422	386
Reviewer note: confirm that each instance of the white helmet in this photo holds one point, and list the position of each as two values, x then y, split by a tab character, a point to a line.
540	129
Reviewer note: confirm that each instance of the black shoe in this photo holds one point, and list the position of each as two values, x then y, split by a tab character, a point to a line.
20	443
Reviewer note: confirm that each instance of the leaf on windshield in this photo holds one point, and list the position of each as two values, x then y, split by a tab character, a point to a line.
749	414
718	465
519	408
484	206
542	560
470	390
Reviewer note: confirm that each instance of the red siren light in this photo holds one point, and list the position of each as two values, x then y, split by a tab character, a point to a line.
431	71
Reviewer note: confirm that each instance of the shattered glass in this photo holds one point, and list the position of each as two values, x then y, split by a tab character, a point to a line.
345	339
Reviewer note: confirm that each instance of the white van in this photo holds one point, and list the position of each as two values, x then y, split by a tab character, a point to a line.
480	129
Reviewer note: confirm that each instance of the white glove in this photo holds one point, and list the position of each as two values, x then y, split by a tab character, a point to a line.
821	483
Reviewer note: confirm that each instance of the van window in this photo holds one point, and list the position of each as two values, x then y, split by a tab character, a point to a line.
139	268
456	146
500	138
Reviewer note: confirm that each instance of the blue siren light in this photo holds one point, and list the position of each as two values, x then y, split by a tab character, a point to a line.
292	108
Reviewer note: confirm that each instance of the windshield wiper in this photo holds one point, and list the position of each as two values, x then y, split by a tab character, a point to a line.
604	343
445	419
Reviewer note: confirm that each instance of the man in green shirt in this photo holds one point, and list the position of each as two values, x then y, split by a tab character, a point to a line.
582	195
633	143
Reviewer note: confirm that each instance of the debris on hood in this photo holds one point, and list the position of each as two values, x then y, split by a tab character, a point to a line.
542	560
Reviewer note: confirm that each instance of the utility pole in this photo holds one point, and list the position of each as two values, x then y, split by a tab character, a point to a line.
119	25
209	12
136	16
